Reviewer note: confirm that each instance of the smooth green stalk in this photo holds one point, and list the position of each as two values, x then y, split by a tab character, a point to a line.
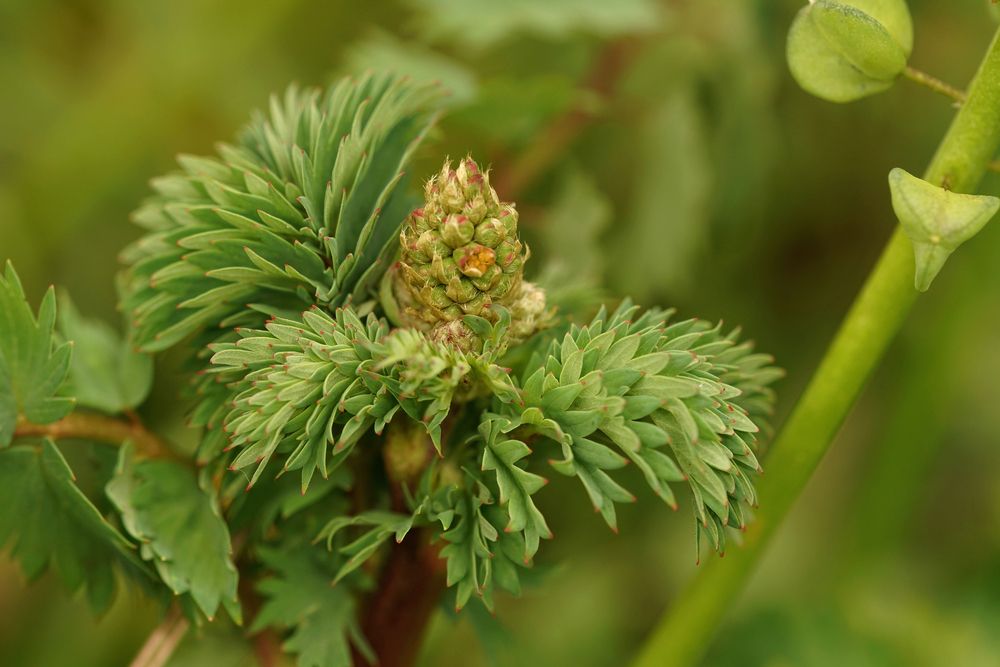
683	636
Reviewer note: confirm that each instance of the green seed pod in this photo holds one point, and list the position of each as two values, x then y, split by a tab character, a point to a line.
894	15
844	50
936	220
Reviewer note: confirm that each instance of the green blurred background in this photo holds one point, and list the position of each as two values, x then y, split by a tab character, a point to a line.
694	173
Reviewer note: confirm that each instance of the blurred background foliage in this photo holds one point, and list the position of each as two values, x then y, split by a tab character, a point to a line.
655	148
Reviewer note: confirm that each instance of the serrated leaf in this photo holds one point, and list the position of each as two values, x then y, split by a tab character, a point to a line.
180	528
381	526
687	389
32	365
46	521
298	596
303	209
105	373
480	554
516	486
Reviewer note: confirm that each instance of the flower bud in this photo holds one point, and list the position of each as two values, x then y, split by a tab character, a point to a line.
459	255
474	260
457	230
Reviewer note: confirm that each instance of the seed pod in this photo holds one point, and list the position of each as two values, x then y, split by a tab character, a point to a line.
936	221
848	49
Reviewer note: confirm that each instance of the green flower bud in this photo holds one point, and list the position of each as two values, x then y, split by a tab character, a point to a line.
438	297
476	209
408	450
459	254
507	283
529	313
848	49
507	252
455	334
478	304
420	222
444	269
490	232
936	221
430	244
461	290
457	230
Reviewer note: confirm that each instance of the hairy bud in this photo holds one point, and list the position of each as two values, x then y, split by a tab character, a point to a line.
460	255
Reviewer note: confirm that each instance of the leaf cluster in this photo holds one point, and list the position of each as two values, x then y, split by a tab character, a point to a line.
165	533
262	264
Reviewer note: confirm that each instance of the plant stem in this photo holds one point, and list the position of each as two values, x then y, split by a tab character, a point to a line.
410	586
160	645
90	426
556	138
413	579
934	83
877	314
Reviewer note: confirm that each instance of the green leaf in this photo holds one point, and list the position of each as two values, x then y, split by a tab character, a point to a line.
681	401
304	209
105	372
840	53
381	526
47	521
479	24
299	596
180	528
936	220
516	485
315	368
480	554
32	365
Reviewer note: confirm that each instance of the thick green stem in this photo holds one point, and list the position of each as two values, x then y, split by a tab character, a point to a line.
683	636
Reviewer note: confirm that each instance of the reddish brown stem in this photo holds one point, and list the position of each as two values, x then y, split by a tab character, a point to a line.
411	582
90	426
266	643
397	615
563	130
